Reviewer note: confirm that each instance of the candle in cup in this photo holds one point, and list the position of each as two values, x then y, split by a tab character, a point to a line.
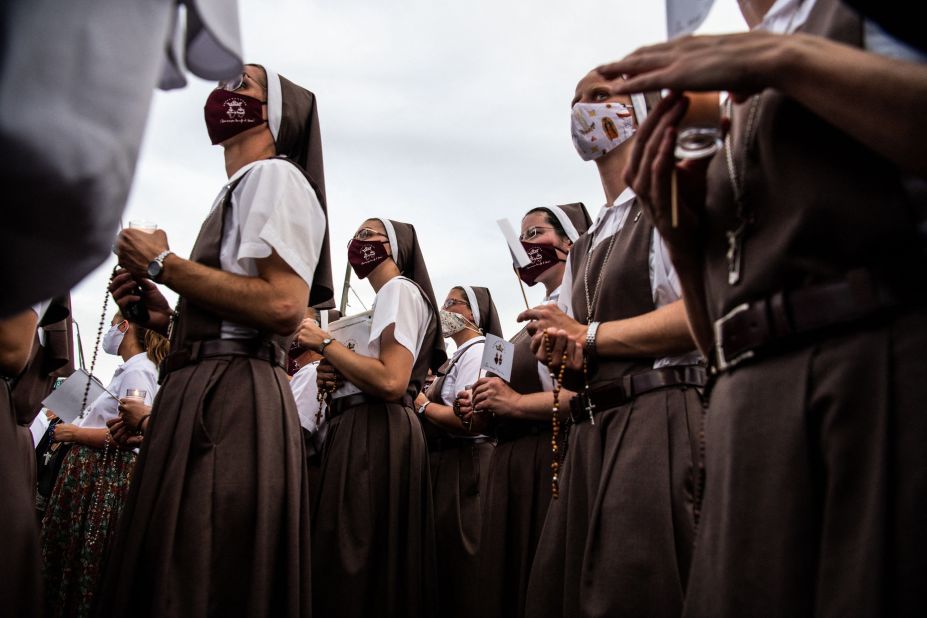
136	393
700	128
146	226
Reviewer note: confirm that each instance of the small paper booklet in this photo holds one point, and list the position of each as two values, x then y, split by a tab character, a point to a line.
65	401
353	332
497	356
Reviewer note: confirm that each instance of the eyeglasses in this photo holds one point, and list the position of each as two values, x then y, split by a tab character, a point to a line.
237	83
533	231
450	302
365	233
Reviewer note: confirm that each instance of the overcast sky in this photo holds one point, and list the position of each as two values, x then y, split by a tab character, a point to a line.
446	115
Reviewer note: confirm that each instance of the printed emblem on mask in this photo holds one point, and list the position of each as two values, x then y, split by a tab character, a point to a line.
535	255
234	108
368	253
608	125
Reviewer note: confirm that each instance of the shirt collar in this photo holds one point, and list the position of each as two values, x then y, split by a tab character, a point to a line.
242	170
133	360
554	296
621	202
466	344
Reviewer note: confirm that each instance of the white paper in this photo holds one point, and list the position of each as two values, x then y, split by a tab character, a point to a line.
683	17
353	332
497	356
323	319
65	401
519	256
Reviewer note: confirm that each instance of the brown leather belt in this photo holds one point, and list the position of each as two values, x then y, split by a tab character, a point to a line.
261	349
583	406
755	326
339	406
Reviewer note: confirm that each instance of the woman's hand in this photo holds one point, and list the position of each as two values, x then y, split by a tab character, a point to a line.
137	248
463	404
543	317
493	395
328	379
310	335
133	411
65	432
550	345
742	63
125	289
124	437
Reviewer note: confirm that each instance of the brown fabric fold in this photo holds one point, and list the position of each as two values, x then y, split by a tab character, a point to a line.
21	590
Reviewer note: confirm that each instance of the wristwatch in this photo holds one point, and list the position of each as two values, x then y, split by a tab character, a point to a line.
591	332
156	266
324	345
421	408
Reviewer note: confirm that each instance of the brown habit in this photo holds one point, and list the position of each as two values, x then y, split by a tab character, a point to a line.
517	495
373	525
816	484
216	521
458	481
618	541
217	518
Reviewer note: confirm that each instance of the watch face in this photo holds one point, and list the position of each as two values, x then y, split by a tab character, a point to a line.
154	269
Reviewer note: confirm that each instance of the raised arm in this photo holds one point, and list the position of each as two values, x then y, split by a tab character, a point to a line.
876	99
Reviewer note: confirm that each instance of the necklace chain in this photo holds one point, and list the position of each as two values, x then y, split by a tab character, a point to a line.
591	301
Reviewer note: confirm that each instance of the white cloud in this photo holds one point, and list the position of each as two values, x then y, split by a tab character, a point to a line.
447	115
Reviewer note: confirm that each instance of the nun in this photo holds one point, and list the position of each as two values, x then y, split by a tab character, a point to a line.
459	459
618	540
217	517
373	527
519	476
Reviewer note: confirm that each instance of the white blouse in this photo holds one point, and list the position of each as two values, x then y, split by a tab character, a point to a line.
400	302
465	369
137	373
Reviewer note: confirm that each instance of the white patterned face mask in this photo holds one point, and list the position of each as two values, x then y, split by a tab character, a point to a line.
599	128
452	323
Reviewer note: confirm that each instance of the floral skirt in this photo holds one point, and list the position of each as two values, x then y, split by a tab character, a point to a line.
81	516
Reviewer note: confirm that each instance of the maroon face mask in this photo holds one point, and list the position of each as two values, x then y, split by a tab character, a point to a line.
543	256
365	255
229	113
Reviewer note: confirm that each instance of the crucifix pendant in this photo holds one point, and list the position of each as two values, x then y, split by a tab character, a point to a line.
47	457
735	242
590	410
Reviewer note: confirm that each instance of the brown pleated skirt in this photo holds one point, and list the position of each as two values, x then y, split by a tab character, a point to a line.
618	541
816	493
373	537
216	522
20	558
459	477
518	494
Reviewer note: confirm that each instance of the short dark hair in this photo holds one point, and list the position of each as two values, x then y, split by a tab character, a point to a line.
552	220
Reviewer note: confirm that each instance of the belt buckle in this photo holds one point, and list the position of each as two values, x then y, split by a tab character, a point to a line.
725	363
